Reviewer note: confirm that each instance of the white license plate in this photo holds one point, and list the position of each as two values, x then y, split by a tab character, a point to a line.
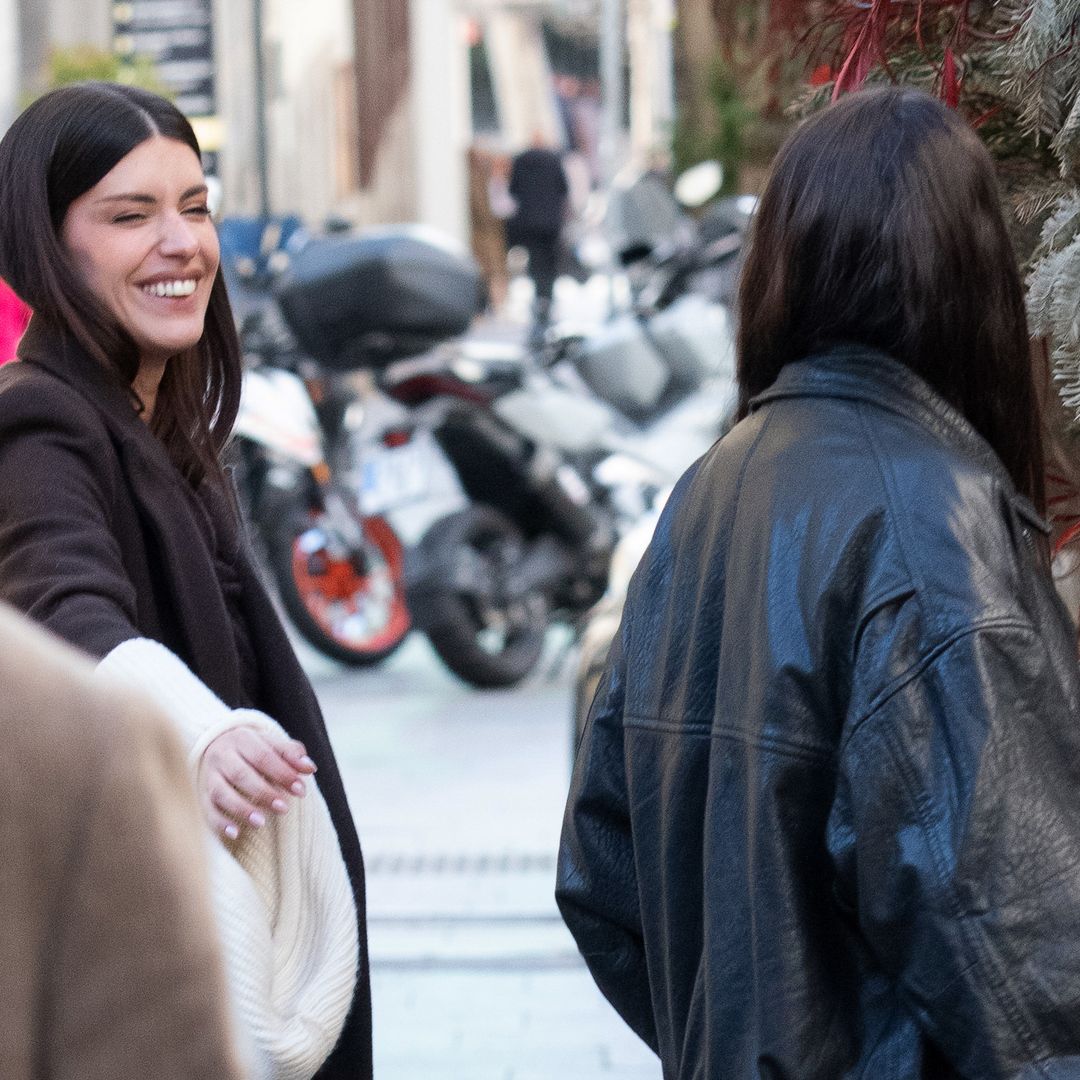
392	477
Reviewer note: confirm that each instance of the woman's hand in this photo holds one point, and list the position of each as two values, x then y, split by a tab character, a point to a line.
246	774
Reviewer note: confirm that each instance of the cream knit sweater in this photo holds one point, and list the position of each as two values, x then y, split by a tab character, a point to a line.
284	905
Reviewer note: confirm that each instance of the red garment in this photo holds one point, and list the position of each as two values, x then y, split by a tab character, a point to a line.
14	315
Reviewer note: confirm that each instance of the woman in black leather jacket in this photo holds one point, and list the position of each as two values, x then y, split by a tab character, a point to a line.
825	818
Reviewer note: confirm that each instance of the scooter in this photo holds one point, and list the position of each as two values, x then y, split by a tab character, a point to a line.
548	472
521	536
338	570
554	476
533	541
675	344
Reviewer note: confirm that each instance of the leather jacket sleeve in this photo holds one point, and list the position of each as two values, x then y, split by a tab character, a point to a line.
597	882
956	837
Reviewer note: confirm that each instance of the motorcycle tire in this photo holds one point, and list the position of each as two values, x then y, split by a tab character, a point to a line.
490	646
351	608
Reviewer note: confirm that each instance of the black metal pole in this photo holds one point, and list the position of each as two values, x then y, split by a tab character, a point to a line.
262	152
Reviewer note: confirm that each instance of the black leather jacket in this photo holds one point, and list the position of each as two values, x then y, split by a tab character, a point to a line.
825	819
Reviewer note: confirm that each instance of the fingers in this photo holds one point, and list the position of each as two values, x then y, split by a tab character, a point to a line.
229	808
229	811
219	823
269	756
249	783
296	755
268	760
247	775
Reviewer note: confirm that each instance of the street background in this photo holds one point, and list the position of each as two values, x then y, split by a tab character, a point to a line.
458	797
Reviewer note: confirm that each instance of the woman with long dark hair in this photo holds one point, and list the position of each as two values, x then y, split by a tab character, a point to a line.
824	817
118	531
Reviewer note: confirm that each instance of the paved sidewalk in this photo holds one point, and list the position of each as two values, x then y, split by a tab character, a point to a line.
495	1025
458	797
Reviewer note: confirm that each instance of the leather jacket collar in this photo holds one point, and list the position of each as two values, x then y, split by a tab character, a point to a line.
861	373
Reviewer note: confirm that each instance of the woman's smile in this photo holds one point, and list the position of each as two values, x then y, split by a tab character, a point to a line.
171	288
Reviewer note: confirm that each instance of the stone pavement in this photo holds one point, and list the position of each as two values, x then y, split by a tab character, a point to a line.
458	797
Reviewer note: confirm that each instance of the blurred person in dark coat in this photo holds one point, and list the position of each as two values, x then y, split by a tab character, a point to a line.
539	188
111	964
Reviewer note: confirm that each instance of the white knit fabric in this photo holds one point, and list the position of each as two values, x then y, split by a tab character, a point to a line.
284	905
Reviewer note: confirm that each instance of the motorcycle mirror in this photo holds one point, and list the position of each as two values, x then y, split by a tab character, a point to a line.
700	183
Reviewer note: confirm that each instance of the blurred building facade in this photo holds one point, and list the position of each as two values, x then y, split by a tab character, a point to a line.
367	102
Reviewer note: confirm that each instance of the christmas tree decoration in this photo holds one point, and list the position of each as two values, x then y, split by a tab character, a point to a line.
1013	69
1041	69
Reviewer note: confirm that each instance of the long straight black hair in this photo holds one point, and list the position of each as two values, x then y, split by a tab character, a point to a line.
881	225
55	151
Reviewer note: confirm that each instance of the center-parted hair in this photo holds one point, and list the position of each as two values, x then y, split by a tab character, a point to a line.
881	225
56	150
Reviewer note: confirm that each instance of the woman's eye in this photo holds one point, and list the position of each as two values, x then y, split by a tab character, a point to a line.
198	211
123	219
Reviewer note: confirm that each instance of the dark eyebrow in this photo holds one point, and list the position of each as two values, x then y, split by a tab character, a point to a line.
149	200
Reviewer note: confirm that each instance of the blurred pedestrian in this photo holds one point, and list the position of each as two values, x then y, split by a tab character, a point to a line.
539	188
111	963
119	531
486	228
14	315
823	821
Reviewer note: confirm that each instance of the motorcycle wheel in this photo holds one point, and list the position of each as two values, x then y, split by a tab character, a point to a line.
351	606
489	644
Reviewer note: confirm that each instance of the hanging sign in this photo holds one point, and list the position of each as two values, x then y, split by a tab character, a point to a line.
178	37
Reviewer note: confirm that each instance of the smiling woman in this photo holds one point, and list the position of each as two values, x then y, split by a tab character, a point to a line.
118	531
143	241
107	156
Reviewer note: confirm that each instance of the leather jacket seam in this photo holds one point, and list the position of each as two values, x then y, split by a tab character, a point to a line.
812	752
887	489
894	686
877	603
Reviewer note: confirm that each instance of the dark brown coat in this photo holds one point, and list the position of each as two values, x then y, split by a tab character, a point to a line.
100	541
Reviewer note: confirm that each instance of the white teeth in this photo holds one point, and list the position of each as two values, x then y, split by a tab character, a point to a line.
170	288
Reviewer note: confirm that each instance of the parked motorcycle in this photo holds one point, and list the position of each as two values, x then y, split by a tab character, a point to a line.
548	472
534	530
533	542
338	571
554	475
486	570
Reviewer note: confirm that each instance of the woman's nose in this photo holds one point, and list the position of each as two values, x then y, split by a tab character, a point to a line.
178	237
